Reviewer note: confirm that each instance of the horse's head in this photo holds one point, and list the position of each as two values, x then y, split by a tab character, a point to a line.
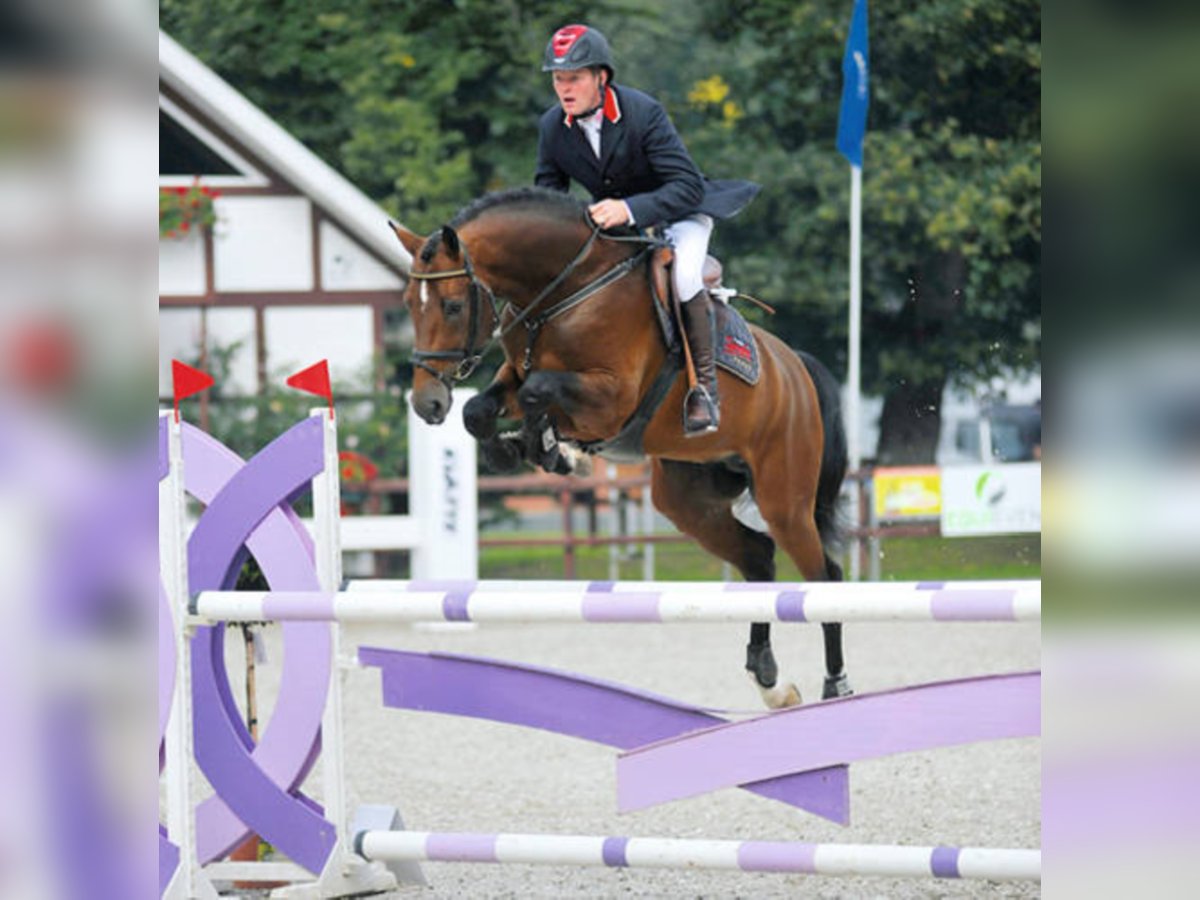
533	247
453	314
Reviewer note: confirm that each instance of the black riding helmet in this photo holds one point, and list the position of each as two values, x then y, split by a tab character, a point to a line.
577	47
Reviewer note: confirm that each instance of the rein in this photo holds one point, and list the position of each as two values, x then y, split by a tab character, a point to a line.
468	358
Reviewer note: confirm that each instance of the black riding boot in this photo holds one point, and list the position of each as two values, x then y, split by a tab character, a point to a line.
701	412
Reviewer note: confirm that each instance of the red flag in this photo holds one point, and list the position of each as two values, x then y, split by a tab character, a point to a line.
315	380
187	381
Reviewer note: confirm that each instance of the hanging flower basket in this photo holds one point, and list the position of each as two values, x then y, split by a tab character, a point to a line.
182	210
357	473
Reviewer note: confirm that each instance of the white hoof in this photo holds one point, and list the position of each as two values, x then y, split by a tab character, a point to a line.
781	696
580	462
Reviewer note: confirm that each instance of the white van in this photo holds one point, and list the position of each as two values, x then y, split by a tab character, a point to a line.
1001	433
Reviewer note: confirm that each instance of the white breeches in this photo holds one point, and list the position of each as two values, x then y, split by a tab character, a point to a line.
690	239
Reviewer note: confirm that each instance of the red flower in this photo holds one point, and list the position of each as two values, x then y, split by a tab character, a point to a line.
181	191
185	226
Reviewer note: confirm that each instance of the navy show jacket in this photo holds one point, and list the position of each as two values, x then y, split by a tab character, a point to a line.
642	161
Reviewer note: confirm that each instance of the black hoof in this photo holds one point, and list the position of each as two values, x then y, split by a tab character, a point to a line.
556	462
503	456
836	686
760	662
480	419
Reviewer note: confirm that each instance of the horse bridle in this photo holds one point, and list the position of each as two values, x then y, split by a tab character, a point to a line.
468	357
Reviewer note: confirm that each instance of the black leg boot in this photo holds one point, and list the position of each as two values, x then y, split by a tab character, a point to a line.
701	412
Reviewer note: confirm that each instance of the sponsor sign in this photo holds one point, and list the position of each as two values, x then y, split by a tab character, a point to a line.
907	492
996	499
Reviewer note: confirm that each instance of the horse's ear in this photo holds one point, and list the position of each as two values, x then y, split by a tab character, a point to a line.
450	240
412	242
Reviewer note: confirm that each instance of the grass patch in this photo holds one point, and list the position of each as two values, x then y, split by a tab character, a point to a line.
902	559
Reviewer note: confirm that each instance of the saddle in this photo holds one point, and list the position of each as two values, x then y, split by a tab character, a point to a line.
736	351
712	273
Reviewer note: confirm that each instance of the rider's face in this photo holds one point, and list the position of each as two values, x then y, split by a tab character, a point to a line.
578	90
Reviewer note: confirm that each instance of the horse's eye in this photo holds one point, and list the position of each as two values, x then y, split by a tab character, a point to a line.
452	307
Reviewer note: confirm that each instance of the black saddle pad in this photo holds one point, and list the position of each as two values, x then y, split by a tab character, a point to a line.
737	351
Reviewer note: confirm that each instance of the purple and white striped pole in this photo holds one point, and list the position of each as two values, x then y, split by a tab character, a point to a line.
744	856
566	601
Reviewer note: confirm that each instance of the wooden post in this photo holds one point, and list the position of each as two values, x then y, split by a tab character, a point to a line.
565	498
248	850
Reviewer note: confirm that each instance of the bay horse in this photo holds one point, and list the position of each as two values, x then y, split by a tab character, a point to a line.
574	308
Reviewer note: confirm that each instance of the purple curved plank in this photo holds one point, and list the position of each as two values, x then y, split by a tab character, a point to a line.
100	866
168	860
587	708
166	626
253	784
867	726
164	456
166	662
168	852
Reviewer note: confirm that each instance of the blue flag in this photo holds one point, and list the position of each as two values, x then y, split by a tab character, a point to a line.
856	94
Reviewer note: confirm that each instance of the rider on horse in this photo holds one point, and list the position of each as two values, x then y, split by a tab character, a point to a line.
618	143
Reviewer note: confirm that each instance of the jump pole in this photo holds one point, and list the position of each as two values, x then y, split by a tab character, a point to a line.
658	603
877	860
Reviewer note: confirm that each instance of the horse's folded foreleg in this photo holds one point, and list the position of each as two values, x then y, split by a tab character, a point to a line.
536	443
499	400
585	405
543	448
502	455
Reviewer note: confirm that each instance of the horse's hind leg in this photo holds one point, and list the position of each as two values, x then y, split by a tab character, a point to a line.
787	507
836	682
697	498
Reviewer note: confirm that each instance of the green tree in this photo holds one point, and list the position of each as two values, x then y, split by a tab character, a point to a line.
951	195
423	104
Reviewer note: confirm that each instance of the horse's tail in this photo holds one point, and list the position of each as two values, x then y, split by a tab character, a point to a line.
833	455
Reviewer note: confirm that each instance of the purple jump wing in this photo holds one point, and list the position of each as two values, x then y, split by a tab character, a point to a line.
255	784
565	703
923	717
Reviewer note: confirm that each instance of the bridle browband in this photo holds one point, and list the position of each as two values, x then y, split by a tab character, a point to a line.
468	357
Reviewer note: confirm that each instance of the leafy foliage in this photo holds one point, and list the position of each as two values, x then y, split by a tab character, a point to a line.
423	104
951	189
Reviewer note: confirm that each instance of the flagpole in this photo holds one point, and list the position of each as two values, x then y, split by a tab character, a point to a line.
854	368
852	128
854	372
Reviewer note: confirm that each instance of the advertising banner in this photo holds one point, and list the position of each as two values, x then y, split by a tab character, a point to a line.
907	492
996	499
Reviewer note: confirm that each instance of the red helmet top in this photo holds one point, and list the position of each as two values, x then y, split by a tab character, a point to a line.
577	47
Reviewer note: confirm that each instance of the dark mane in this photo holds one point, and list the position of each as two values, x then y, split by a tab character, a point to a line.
554	204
